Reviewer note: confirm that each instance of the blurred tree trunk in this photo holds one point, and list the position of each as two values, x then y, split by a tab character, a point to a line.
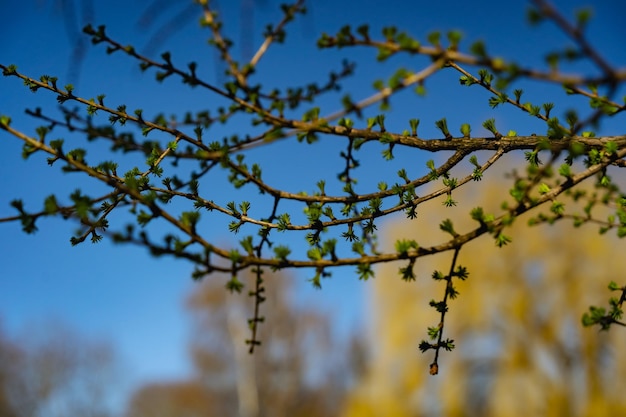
247	390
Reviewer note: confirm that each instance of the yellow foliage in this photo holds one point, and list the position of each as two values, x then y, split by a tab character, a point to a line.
521	349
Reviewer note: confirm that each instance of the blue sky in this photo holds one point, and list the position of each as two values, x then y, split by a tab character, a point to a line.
120	293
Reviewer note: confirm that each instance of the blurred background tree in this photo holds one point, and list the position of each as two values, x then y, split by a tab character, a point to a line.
517	318
301	370
53	372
